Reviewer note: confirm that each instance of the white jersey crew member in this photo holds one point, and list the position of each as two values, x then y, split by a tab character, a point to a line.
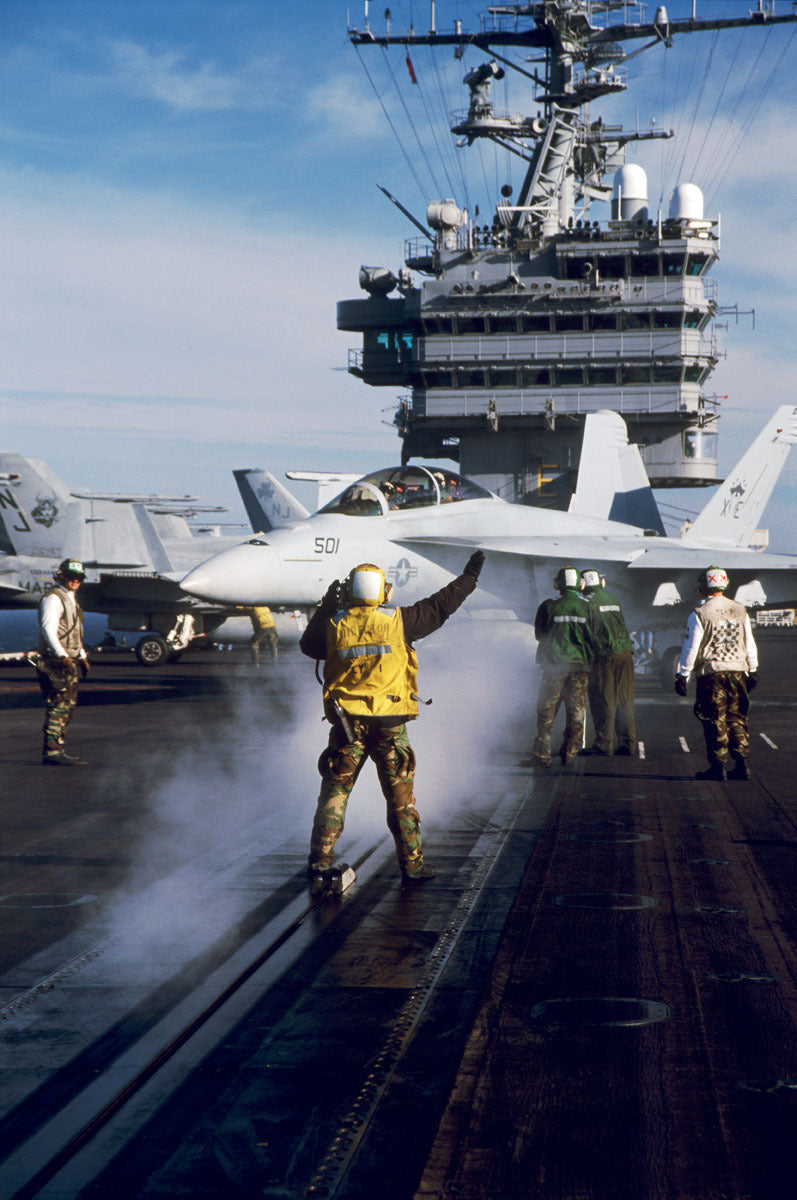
721	650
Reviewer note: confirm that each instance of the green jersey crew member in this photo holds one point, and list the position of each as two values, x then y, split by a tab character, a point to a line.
611	680
564	628
61	656
370	692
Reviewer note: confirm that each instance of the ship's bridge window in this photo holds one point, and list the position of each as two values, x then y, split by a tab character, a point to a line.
672	264
389	341
694	319
695	263
532	324
634	373
470	325
535	377
502	377
601	376
433	325
635	320
568	322
667	373
699	444
693	373
667	319
611	266
643	265
503	323
569	376
605	320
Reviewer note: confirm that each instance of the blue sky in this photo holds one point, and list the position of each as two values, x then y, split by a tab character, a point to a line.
187	188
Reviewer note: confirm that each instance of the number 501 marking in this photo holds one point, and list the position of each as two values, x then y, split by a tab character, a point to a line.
328	545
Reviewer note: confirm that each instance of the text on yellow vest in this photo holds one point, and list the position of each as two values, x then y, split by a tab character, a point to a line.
370	670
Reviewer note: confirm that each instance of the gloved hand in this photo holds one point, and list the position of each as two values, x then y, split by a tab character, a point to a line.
752	681
84	665
474	564
332	595
680	684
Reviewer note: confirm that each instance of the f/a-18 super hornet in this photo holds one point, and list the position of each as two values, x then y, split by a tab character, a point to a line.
416	521
135	549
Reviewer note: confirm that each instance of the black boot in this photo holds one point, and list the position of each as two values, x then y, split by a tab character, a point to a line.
714	771
741	769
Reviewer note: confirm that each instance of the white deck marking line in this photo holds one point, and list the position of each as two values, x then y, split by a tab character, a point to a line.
641	749
768	741
684	746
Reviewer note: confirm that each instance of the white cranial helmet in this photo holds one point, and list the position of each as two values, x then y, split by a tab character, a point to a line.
366	585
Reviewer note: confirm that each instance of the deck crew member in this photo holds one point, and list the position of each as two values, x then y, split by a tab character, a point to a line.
370	692
565	630
61	659
721	649
264	634
611	680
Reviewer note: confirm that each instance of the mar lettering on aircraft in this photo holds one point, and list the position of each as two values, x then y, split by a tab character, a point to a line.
402	573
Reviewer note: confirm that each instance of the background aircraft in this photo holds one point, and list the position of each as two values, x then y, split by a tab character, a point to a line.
135	548
420	523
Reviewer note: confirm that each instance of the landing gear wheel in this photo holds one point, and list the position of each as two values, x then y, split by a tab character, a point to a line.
151	650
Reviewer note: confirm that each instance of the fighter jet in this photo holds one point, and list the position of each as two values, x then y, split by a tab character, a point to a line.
135	548
418	522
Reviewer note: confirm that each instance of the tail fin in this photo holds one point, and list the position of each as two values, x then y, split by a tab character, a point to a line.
268	504
735	510
612	481
33	508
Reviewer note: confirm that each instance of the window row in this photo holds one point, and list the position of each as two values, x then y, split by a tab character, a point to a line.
636	266
622	375
576	322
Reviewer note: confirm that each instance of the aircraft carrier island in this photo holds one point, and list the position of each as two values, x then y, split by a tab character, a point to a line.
506	329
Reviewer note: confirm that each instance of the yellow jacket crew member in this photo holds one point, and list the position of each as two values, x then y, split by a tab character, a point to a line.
370	692
61	655
721	649
264	633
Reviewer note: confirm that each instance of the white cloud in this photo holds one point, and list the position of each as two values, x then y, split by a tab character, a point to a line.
165	75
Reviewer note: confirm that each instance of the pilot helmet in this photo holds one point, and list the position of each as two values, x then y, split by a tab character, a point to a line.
566	577
366	585
591	579
70	568
713	579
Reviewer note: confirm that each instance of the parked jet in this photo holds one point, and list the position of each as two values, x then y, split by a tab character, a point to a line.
135	549
417	522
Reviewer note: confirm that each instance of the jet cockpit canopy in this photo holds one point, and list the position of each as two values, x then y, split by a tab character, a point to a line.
396	489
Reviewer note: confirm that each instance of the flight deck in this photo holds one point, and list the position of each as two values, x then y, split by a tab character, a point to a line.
594	998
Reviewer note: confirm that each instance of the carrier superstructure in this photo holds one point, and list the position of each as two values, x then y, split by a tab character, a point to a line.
504	335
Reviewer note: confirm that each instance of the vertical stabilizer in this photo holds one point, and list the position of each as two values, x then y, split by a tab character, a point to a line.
734	512
33	507
612	481
268	504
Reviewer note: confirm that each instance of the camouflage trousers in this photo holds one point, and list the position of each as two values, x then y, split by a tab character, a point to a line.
611	702
568	688
263	638
58	680
722	706
340	766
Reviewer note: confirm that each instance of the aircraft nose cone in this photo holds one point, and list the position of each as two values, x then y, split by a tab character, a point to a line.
247	574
